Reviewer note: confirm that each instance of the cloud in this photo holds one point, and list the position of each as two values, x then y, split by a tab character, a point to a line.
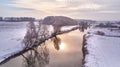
73	8
109	12
54	6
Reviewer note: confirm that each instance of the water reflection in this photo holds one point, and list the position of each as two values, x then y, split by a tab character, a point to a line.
62	46
56	40
38	57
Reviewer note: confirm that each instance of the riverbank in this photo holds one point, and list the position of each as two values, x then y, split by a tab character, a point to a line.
101	47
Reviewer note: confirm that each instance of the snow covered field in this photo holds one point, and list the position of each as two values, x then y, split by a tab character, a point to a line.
11	36
103	50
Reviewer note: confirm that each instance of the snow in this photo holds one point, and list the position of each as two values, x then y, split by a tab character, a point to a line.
50	29
11	36
107	31
64	28
102	51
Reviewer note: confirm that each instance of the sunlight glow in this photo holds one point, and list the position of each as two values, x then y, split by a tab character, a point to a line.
62	46
60	0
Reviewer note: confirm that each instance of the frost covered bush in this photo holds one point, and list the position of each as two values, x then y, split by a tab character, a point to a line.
100	33
35	34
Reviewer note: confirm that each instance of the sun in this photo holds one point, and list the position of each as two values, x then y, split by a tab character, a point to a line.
62	46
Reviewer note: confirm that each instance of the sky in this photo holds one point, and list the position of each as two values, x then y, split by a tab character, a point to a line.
78	9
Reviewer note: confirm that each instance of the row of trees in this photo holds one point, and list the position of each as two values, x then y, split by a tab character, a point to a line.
16	19
83	26
108	24
1	19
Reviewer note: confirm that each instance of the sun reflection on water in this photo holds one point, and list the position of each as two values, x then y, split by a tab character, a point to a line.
62	46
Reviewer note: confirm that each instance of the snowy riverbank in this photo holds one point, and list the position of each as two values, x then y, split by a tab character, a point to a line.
11	36
103	46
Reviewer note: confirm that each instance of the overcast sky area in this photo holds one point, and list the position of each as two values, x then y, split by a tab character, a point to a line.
80	9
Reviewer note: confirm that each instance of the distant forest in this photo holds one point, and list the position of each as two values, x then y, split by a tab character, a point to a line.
16	19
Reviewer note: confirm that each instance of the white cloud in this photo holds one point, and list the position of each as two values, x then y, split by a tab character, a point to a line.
51	7
73	8
91	6
109	11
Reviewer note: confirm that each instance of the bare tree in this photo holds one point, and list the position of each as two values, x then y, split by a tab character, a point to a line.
35	34
83	26
39	56
31	35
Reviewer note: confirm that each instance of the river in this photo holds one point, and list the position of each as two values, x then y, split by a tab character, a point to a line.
69	54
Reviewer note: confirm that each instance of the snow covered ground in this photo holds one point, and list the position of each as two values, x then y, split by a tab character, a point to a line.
103	50
64	28
11	36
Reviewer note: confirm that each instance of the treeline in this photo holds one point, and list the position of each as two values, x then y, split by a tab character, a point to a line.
1	19
16	19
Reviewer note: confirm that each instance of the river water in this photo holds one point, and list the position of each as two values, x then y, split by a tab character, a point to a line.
69	54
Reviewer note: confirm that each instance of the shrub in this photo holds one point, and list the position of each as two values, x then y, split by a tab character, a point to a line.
100	33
